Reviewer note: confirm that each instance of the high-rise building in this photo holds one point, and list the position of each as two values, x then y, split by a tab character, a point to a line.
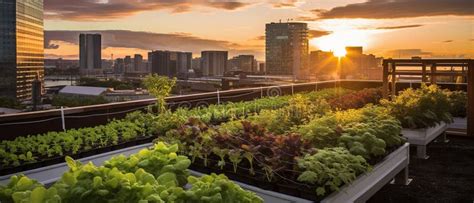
286	48
184	62
213	63
354	51
170	63
323	65
119	66
137	63
90	57
244	63
357	65
261	67
21	47
127	62
354	65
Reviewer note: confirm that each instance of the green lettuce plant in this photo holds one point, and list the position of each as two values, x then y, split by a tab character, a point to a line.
330	168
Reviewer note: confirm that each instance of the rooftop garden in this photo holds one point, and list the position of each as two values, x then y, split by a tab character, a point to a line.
308	145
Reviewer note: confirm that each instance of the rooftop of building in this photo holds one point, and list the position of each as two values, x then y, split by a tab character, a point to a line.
83	90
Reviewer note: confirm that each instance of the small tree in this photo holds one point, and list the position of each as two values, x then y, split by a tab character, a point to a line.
160	87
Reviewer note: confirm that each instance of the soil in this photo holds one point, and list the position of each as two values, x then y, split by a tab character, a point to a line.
447	176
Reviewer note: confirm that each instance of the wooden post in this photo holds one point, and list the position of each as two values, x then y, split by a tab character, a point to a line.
423	73
433	74
394	80
470	100
385	79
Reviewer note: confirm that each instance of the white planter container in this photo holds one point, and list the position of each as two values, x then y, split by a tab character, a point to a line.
395	165
422	137
458	123
50	174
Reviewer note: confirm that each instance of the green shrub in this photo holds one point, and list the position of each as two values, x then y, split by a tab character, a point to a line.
420	108
8	102
458	103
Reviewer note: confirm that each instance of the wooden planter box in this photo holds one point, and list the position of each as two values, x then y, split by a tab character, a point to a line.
50	174
422	137
395	165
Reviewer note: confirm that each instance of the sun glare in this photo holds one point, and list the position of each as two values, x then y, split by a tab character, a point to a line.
339	52
337	41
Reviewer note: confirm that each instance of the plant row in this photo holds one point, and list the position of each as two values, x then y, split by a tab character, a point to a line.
137	125
303	142
427	106
156	175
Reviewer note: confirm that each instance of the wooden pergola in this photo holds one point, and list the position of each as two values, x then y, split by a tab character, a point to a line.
429	71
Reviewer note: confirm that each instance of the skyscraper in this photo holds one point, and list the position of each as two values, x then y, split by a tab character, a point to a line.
213	63
170	63
286	50
90	58
184	62
21	47
244	63
137	63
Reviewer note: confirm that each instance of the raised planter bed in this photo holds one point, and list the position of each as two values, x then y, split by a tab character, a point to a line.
422	137
458	123
393	166
86	153
50	174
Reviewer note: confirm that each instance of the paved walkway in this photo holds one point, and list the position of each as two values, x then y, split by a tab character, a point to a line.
447	176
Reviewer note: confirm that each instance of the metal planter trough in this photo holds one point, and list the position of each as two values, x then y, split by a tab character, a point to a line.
422	137
458	123
393	166
50	174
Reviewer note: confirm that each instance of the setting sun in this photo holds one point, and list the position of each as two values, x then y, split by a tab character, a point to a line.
340	38
339	52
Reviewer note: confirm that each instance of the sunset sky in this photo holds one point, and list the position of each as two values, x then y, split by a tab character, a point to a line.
389	28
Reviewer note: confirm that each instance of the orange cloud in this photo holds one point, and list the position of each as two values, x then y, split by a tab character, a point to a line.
381	9
125	42
89	10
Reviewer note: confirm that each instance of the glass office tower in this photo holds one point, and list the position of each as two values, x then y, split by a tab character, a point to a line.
286	48
21	47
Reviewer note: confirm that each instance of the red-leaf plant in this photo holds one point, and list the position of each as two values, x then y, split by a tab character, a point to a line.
272	153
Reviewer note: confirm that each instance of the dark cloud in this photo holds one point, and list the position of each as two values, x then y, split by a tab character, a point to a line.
259	38
398	27
94	10
382	9
317	33
448	41
48	45
152	41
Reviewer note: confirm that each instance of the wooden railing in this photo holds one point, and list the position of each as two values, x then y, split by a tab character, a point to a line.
391	72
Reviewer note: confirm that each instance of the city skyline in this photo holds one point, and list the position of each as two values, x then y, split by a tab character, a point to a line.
397	28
